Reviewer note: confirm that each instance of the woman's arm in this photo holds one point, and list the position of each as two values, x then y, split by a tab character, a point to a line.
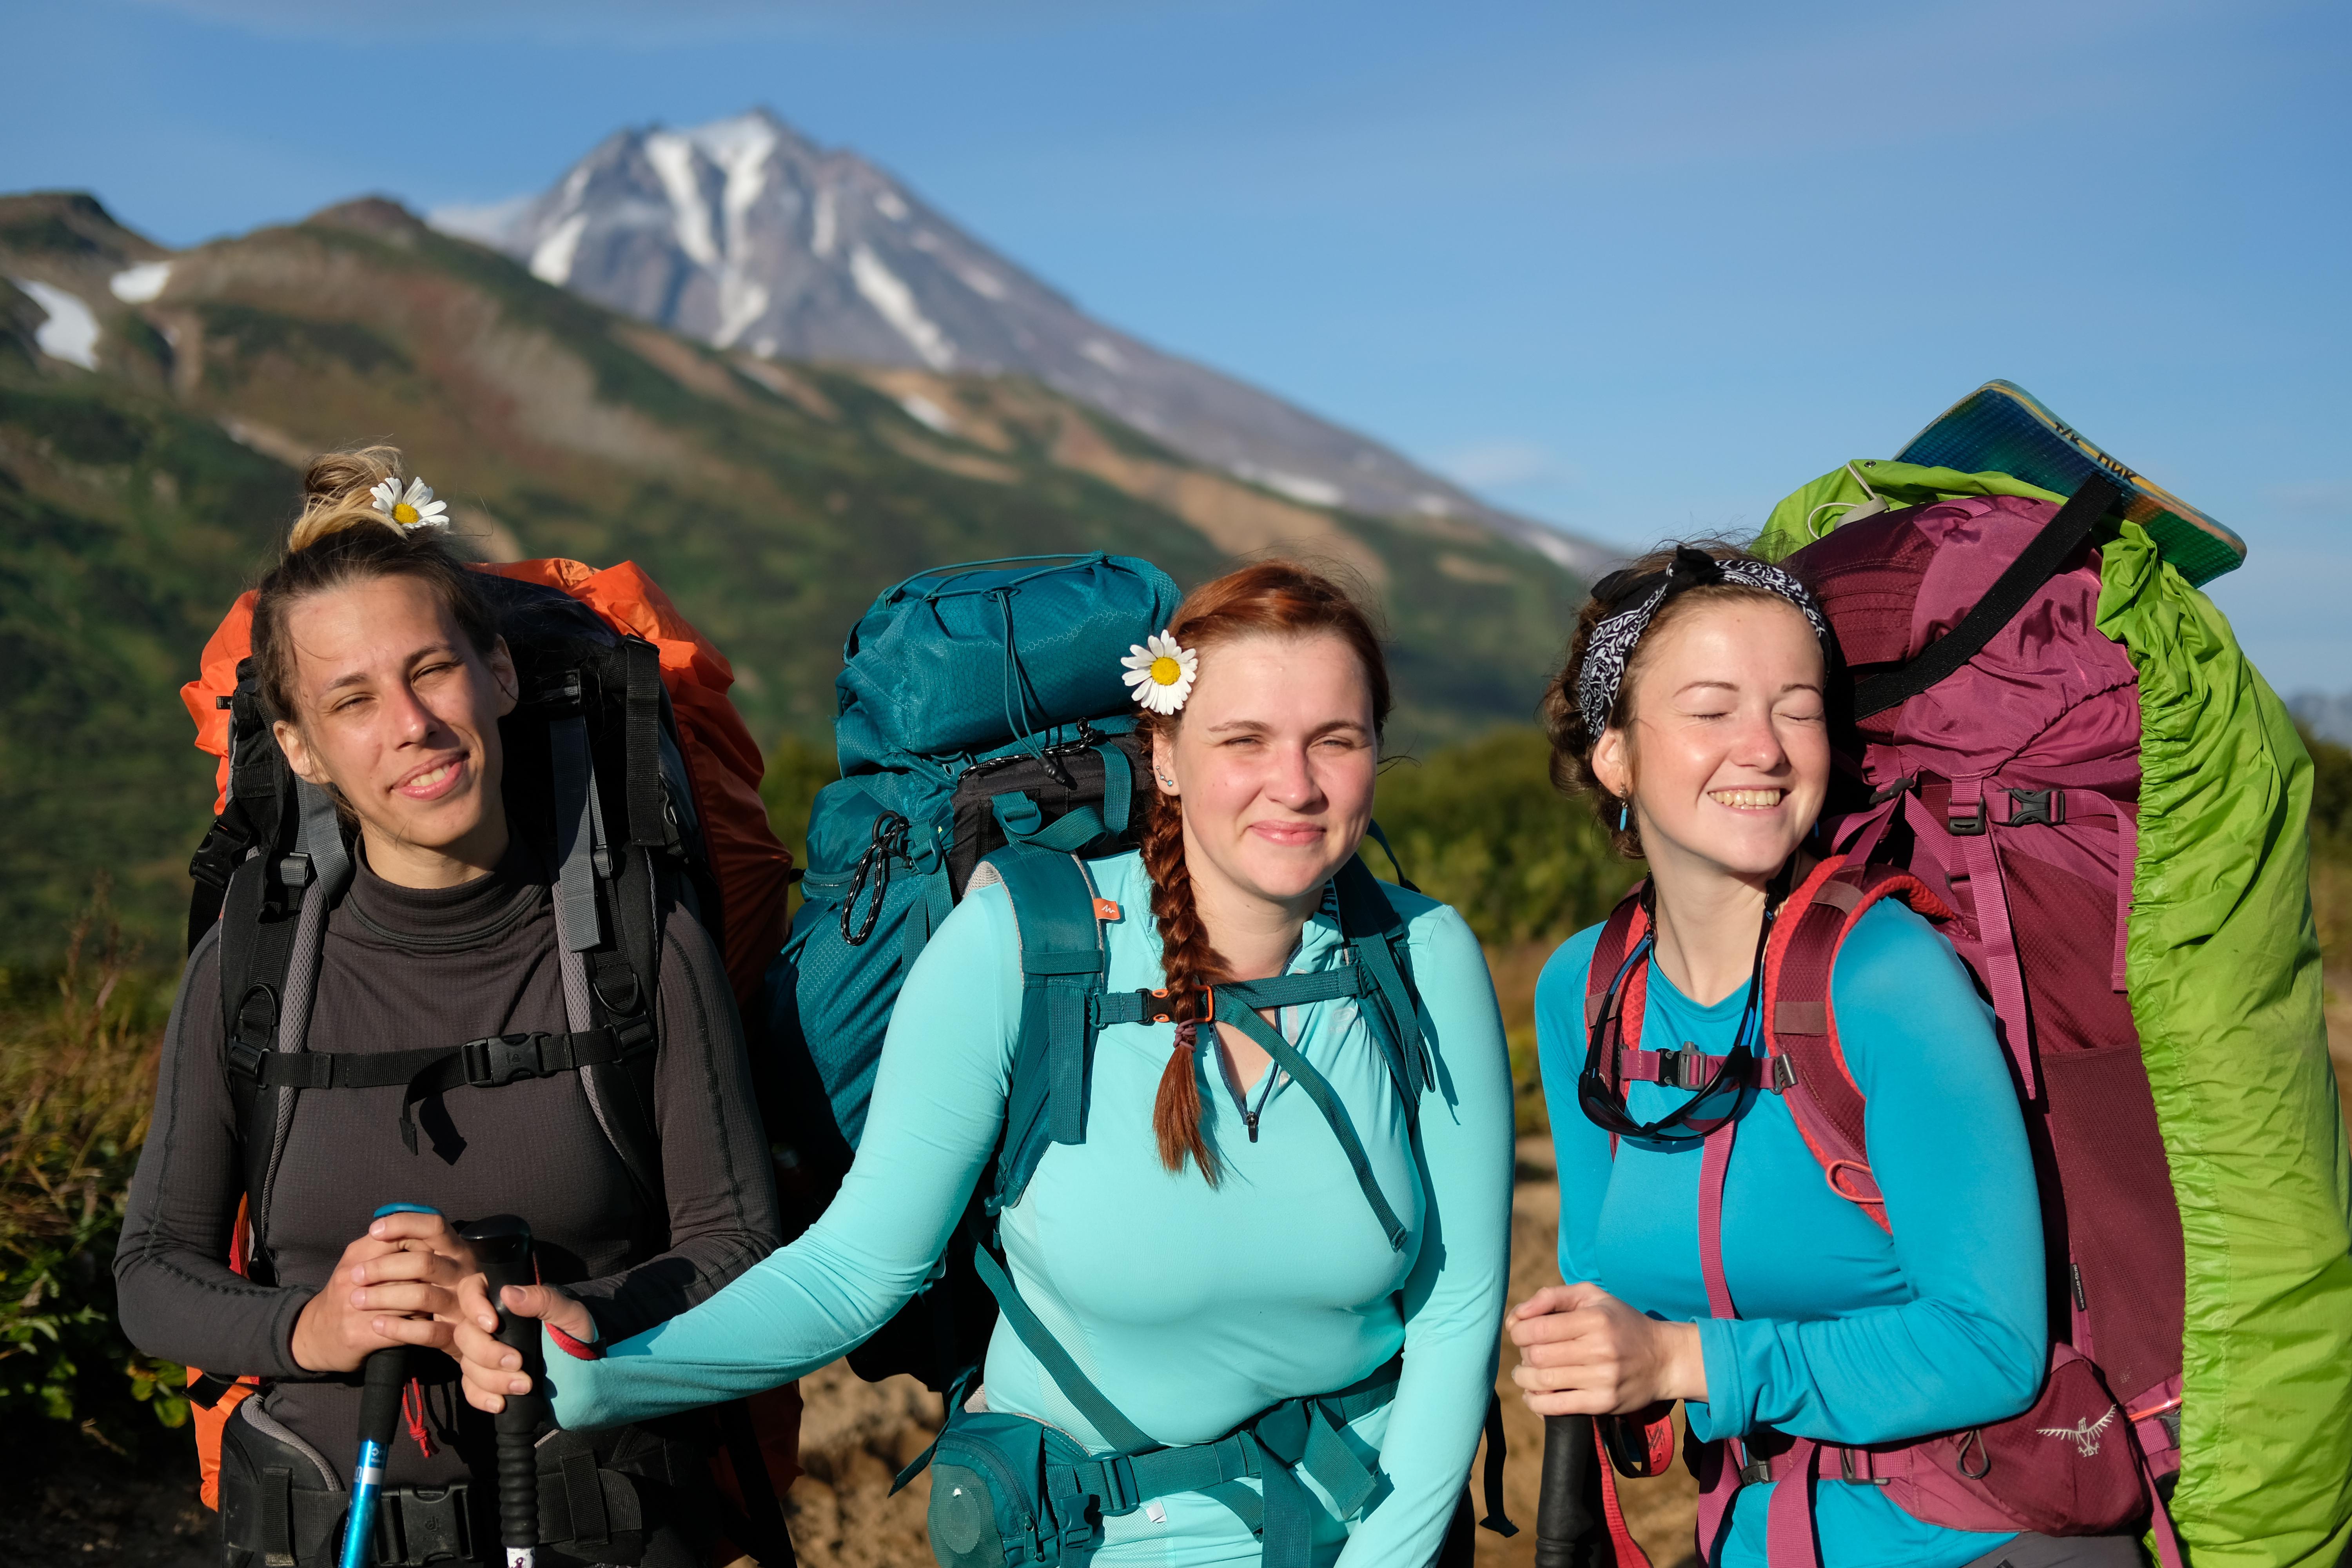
937	1108
715	1171
1948	1147
1454	1298
178	1296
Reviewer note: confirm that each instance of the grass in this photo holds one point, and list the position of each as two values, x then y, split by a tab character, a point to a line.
77	1054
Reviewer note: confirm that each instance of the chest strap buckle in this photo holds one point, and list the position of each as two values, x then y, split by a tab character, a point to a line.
497	1060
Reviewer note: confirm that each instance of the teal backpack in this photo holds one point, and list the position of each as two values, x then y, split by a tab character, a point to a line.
980	706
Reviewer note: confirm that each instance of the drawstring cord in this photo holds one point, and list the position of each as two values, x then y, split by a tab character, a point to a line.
412	1410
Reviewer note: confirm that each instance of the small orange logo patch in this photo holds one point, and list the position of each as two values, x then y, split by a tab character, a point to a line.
1106	909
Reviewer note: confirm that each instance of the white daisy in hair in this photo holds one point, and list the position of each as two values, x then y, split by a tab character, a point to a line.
1158	674
416	509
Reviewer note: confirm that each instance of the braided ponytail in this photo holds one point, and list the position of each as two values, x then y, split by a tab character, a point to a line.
1270	598
1189	963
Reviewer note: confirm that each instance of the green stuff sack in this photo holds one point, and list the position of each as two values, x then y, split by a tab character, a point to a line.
2223	978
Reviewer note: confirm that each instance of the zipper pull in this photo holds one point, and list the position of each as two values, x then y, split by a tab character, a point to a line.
1249	1119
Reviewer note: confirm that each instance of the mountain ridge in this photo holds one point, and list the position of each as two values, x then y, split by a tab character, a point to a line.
748	234
150	458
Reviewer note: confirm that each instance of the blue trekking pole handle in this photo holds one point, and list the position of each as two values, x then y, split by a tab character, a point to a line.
388	1369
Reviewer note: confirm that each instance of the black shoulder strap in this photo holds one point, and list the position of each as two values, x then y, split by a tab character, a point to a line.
258	814
2060	538
273	923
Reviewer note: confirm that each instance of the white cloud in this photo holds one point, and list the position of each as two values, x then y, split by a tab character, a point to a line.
1497	465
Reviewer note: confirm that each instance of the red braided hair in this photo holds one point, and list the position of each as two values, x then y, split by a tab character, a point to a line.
1270	597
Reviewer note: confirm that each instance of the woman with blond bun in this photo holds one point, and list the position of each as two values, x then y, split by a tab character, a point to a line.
380	658
1709	1257
1210	1251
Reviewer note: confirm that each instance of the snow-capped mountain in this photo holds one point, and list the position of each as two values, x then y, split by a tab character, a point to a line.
746	234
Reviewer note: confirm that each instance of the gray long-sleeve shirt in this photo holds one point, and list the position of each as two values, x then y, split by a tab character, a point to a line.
405	967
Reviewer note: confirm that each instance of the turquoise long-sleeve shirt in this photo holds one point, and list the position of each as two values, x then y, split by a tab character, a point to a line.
1845	1333
1192	1307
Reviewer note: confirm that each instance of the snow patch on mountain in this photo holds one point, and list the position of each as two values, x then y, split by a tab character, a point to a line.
896	301
70	333
744	233
141	284
552	258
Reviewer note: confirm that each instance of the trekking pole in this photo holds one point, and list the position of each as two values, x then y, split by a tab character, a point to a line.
388	1369
503	1246
1564	1520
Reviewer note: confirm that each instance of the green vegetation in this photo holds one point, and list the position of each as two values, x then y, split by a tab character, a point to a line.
130	528
77	1072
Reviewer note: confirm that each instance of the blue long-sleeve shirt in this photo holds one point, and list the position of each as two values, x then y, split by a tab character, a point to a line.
1192	1307
1845	1333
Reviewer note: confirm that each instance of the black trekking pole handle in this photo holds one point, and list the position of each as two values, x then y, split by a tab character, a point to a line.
502	1247
1564	1521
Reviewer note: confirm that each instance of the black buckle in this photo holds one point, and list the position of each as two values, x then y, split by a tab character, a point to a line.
416	1525
294	871
497	1060
1685	1069
1887	792
1756	1473
246	1057
2028	807
1965	826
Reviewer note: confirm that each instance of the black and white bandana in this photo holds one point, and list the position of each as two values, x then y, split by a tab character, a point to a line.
1614	638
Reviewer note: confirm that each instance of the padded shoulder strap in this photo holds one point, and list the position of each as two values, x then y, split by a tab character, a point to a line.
1627	924
1062	962
1800	1023
1377	942
273	925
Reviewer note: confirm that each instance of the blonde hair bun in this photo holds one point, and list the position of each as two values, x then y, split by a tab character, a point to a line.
335	493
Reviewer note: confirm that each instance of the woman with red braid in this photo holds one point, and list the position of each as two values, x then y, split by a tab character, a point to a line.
1209	1250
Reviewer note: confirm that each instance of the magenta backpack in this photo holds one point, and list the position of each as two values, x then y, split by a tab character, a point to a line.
1992	781
1999	733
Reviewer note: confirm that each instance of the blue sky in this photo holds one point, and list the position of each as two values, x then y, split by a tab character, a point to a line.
1638	270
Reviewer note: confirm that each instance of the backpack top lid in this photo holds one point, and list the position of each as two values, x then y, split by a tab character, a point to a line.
2001	427
961	659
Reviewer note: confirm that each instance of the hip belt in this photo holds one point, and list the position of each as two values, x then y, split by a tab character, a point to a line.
282	1505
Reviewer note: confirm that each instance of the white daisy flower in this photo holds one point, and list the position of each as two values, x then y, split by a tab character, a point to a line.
416	509
1158	674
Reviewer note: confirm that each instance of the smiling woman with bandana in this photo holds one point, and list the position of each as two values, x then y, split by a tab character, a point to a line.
1692	712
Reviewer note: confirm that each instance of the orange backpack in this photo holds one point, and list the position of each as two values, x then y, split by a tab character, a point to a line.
668	793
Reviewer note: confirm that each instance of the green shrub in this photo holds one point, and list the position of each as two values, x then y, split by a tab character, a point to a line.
78	1073
1479	826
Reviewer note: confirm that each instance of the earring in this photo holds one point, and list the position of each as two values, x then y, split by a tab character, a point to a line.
1166	780
1625	809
